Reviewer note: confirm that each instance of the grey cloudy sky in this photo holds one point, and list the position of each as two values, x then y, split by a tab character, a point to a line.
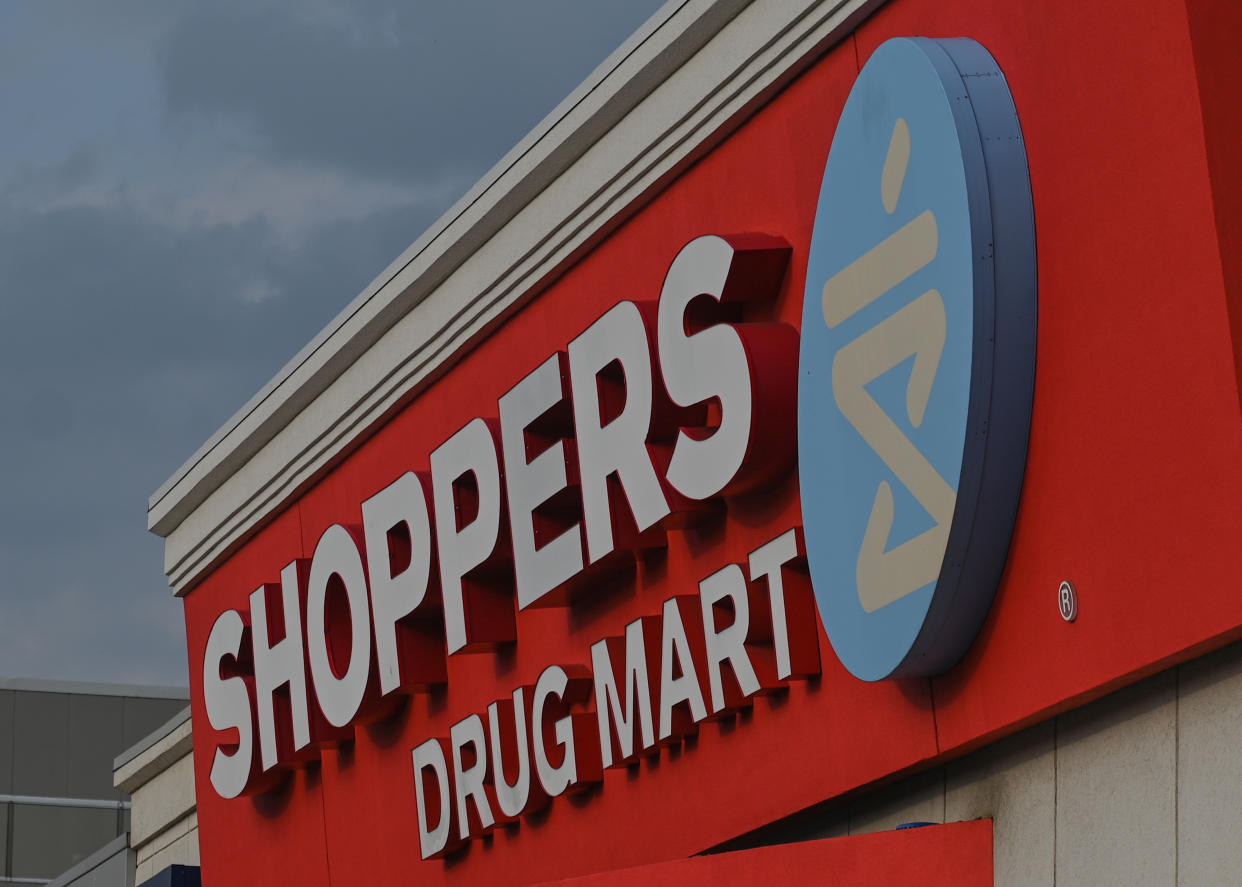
188	193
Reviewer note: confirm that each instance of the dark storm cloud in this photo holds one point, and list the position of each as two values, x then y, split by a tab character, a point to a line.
145	294
123	334
122	349
398	89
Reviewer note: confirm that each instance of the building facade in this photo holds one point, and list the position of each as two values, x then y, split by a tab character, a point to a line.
57	741
824	424
160	846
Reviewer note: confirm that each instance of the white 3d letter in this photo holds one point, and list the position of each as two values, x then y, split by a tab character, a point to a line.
393	597
608	705
728	643
469	780
430	756
531	483
619	446
277	664
471	451
554	780
711	363
228	706
337	555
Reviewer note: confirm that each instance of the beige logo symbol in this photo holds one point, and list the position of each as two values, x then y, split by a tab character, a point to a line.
918	330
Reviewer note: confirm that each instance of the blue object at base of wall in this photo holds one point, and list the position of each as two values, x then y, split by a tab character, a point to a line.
175	876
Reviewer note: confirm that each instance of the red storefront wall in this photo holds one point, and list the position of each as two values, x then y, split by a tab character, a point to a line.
956	855
1131	485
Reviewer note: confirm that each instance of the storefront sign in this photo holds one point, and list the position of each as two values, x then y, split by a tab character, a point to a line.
918	357
580	564
644	423
916	374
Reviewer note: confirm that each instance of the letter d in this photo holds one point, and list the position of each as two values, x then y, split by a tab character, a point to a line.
431	783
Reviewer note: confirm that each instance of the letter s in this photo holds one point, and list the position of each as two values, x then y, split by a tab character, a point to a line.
228	706
750	369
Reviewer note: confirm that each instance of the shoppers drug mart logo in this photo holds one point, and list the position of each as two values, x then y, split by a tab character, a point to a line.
917	357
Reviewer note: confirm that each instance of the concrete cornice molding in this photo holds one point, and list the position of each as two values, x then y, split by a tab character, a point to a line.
154	754
686	79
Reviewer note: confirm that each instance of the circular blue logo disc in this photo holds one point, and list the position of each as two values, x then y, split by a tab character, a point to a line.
917	357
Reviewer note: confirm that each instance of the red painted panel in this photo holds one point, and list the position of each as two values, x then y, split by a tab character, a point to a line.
267	839
1135	429
1131	477
956	855
1214	29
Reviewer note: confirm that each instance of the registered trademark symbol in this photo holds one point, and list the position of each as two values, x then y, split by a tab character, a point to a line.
1067	600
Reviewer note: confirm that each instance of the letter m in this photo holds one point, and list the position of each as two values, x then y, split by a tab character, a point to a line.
624	715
